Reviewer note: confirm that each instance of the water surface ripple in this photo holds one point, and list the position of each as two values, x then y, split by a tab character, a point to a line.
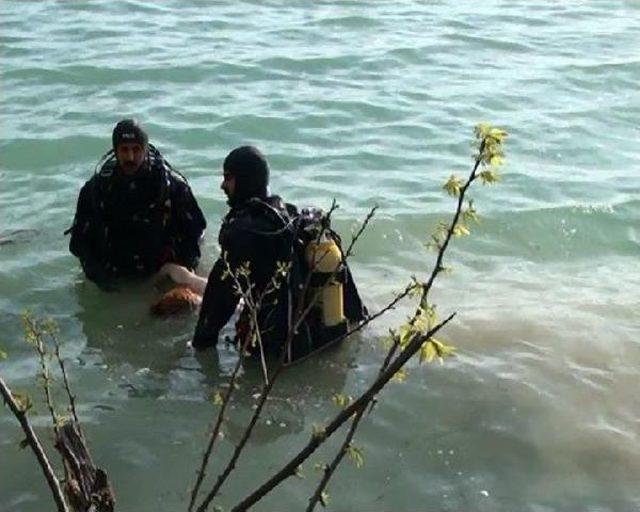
369	103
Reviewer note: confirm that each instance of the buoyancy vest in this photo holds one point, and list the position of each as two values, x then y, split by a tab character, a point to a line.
132	213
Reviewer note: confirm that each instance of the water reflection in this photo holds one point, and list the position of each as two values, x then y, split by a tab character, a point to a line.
149	358
301	388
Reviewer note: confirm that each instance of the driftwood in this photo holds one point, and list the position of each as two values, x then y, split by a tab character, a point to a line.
87	488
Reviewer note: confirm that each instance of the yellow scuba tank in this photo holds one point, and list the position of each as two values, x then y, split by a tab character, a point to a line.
324	258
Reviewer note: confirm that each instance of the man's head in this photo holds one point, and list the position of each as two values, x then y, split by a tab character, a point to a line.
245	175
130	143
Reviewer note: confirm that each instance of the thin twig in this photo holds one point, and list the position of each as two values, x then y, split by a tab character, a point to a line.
215	432
65	379
34	443
267	386
442	249
407	352
358	234
330	469
358	327
254	306
317	439
35	331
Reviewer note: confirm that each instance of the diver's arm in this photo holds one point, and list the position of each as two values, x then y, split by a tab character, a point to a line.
218	304
83	239
188	226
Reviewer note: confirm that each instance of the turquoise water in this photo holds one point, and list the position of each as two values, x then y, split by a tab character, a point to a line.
369	103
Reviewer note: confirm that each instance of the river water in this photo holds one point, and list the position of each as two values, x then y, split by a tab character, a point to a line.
368	103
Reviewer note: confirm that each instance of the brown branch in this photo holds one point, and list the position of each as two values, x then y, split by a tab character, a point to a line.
254	306
319	438
65	379
409	350
358	234
34	331
215	432
243	441
34	443
299	316
331	468
87	487
358	327
442	249
268	384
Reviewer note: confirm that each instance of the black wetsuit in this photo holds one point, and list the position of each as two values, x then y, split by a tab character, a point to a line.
264	232
132	225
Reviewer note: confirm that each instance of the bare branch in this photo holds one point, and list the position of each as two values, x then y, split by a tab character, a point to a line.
253	305
215	432
358	234
34	443
33	335
319	438
437	268
243	441
330	469
413	345
65	379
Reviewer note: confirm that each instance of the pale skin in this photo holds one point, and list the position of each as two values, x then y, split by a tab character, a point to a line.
182	275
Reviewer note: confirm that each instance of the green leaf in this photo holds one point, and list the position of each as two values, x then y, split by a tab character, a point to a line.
217	399
282	268
460	230
442	350
427	352
355	454
433	348
405	333
341	400
496	160
399	376
23	400
425	317
453	185
470	214
324	499
416	287
489	176
481	130
497	134
318	432
3	355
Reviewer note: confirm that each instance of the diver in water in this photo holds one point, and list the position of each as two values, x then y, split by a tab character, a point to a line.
264	234
136	213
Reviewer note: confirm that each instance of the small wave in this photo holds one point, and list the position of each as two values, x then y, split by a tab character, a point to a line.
313	65
490	43
348	21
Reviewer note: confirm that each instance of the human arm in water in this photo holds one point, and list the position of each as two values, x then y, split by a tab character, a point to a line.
182	275
187	225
